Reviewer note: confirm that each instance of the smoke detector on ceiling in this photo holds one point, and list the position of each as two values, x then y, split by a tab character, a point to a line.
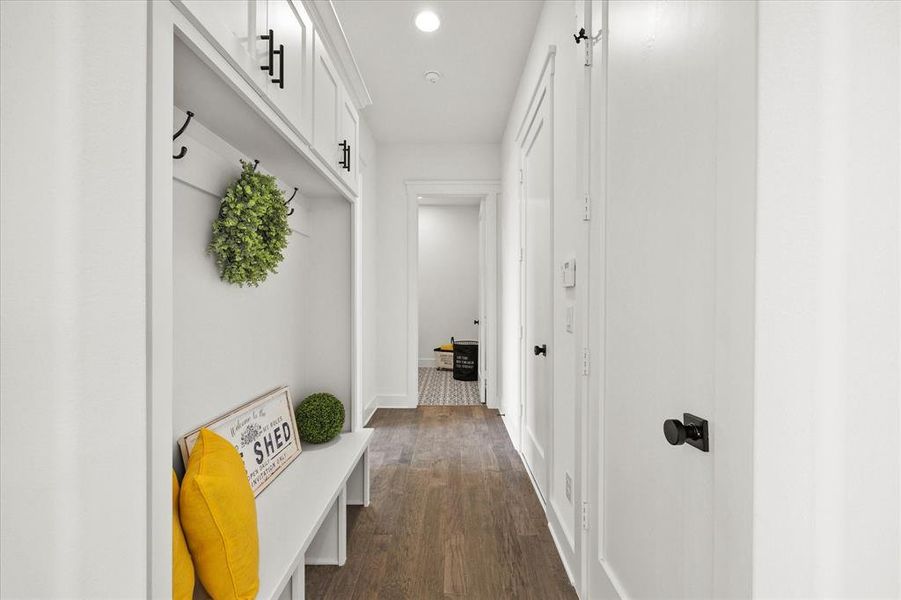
432	76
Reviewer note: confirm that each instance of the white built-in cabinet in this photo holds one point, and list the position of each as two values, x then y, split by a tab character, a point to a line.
290	86
335	117
327	90
348	126
276	47
232	25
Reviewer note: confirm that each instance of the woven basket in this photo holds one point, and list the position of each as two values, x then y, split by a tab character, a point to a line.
444	359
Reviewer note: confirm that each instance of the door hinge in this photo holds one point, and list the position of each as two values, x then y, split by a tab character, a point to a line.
520	332
586	361
522	254
586	216
520	176
585	513
589	43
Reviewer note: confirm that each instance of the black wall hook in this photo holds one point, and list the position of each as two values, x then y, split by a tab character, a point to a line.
288	201
255	165
581	36
181	130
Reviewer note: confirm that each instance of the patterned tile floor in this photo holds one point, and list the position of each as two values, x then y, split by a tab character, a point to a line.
439	388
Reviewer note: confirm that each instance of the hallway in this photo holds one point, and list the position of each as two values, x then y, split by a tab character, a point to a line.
431	299
453	515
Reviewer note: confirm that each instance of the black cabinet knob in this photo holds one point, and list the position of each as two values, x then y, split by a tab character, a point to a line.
542	349
475	322
693	431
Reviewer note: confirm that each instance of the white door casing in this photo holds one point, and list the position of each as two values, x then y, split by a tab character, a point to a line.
489	191
483	340
596	582
537	209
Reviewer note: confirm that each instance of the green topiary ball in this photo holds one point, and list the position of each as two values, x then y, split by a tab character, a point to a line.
320	417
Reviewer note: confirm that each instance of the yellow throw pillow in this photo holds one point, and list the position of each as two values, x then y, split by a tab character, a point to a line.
182	567
219	517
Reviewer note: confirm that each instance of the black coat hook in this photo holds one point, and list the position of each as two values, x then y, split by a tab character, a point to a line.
288	201
581	36
181	130
255	164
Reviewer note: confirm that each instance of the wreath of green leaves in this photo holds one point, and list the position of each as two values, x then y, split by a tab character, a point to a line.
251	230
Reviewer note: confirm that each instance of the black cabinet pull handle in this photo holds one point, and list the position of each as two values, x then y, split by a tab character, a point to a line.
270	67
542	349
281	67
344	163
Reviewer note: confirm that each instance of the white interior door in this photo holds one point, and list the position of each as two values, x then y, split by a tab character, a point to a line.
677	173
660	304
537	192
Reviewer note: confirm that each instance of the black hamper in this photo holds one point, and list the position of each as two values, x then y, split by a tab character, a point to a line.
466	360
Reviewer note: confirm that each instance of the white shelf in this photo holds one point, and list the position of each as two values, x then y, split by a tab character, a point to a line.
291	510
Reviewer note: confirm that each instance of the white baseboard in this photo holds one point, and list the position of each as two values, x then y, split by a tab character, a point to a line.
558	531
426	363
512	432
393	401
617	587
370	409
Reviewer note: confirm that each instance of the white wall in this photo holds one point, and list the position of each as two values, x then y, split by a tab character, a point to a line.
73	413
397	164
233	344
327	284
826	442
448	276
555	26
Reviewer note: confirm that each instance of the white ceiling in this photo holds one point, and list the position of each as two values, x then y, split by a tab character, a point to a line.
480	50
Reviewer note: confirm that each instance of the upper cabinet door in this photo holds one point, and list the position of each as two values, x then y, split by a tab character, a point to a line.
232	24
290	85
349	128
327	94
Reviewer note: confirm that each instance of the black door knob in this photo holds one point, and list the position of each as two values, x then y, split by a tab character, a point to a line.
693	431
542	349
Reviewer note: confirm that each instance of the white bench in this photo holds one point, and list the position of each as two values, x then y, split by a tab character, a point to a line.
301	516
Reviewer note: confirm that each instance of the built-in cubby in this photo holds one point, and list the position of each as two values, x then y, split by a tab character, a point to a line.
231	344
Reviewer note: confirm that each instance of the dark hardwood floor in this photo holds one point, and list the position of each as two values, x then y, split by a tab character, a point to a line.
453	515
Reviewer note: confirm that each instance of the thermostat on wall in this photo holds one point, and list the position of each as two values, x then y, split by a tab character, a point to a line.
569	273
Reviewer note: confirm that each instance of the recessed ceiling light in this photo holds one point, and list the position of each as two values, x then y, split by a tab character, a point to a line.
432	76
427	21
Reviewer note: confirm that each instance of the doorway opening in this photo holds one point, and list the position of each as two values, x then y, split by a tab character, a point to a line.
452	293
450	283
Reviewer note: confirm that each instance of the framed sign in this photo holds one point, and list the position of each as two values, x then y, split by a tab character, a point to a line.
263	431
